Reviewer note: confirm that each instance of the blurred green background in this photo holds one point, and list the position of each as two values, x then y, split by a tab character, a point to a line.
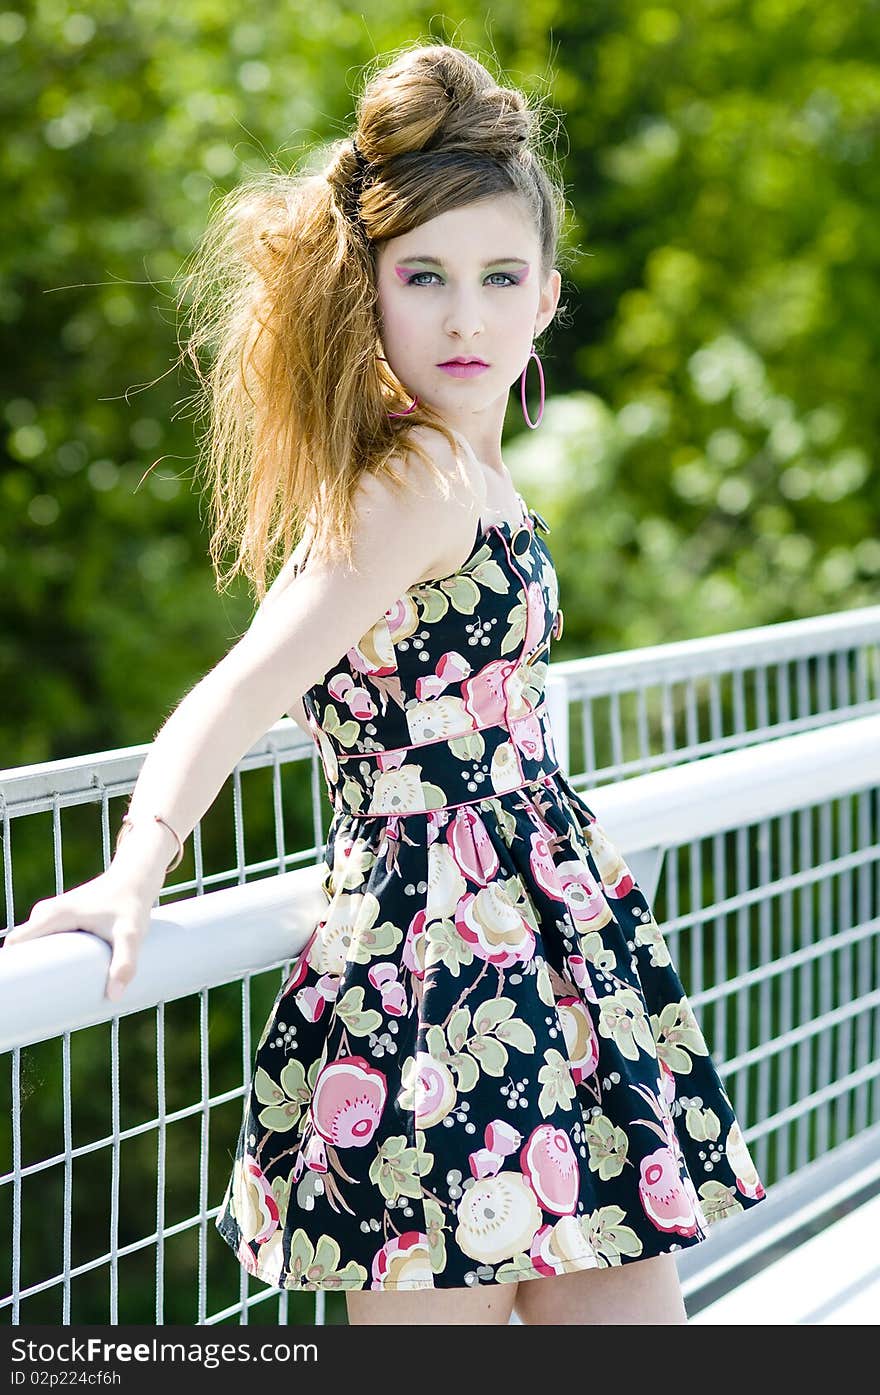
706	456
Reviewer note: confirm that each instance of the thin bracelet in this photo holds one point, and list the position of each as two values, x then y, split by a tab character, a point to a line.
128	821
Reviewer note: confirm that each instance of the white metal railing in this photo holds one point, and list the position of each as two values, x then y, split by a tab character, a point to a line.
780	965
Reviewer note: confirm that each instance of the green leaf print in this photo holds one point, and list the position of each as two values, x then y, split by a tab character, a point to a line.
395	1170
491	1012
458	1028
425	1159
281	1189
293	1080
490	1053
346	733
719	1201
544	985
311	1269
470	747
352	795
608	1146
505	819
649	933
445	946
608	1237
463	593
702	1123
517	1033
266	1089
433	795
375	942
433	602
466	1069
520	1267
622	1017
596	953
435	1043
348	1010
516	629
434	1230
285	1101
489	575
677	1033
559	1087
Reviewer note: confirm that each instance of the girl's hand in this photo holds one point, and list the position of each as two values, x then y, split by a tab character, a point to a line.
108	907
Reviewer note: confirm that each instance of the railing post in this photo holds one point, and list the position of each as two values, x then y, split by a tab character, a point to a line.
556	697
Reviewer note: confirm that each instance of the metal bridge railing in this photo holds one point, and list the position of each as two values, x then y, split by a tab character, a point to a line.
737	774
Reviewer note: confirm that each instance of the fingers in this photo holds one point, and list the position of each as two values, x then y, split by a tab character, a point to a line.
46	918
123	961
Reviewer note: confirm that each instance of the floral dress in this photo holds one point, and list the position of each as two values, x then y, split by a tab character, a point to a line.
482	1067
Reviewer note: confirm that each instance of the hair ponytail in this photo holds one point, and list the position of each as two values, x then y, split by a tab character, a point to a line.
283	298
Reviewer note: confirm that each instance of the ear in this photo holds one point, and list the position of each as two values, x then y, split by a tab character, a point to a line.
550	293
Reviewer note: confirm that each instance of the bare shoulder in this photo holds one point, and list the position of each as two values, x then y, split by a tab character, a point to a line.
448	495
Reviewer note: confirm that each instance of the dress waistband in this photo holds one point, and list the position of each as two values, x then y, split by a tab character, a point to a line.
446	773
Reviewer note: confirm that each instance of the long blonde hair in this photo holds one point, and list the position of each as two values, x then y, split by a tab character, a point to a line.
282	294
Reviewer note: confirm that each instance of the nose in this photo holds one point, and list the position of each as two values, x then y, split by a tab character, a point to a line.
464	318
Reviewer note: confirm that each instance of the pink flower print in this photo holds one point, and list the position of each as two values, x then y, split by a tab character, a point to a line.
348	1101
391	760
664	1196
527	733
452	667
559	1248
339	685
315	1154
484	694
360	704
246	1256
699	1213
434	1091
550	1165
583	896
384	977
581	1040
256	1209
299	970
740	1159
374	651
581	975
472	847
495	929
501	1137
429	686
485	1163
311	1002
615	875
415	944
543	868
666	1083
536	616
402	619
403	1262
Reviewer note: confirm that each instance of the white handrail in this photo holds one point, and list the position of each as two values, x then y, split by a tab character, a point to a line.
56	984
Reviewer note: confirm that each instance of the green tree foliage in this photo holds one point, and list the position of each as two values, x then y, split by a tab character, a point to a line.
706	455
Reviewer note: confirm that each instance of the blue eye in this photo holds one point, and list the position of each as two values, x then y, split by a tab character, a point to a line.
510	280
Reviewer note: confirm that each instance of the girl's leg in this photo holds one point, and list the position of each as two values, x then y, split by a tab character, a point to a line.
489	1306
638	1292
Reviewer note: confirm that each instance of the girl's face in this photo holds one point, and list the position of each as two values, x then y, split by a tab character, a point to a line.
465	284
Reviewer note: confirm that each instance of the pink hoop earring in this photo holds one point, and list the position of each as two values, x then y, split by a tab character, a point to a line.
409	409
415	400
522	383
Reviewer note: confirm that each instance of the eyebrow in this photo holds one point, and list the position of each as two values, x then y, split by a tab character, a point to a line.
434	261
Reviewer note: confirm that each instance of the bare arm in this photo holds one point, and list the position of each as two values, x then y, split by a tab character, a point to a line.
290	645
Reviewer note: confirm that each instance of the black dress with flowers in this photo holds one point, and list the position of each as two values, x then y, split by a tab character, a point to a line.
483	1066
